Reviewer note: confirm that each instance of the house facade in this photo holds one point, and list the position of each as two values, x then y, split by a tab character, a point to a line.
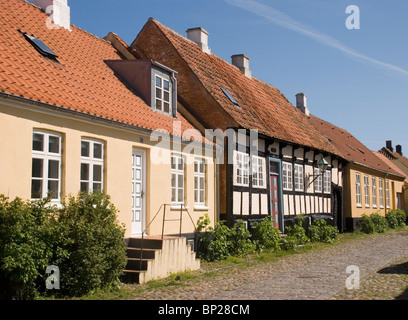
270	152
72	121
371	183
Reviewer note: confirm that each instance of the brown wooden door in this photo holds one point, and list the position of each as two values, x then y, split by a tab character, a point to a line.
274	191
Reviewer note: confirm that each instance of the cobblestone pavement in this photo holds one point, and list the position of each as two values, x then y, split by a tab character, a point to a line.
313	275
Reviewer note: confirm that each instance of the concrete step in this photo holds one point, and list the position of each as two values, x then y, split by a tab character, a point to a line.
145	243
133	276
145	253
137	264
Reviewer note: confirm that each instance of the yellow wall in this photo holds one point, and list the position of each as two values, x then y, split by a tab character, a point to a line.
353	210
17	122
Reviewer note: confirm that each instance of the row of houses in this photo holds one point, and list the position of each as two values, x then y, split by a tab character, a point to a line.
164	126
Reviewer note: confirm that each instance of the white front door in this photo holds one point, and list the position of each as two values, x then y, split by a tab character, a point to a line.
138	188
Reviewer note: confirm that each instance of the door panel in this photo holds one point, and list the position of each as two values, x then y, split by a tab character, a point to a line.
138	187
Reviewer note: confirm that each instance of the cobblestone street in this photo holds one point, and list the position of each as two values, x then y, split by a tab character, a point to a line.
313	275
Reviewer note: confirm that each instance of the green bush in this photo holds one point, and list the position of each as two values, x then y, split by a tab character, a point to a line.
25	228
392	220
94	240
83	240
265	235
401	217
320	231
298	233
366	224
240	242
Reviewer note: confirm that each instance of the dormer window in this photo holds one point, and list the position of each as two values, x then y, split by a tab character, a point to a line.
163	94
153	82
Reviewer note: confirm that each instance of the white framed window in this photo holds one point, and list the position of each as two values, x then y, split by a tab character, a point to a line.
177	179
374	191
318	180
241	169
163	93
327	182
92	165
258	172
381	192
387	193
287	169
358	189
199	182
299	178
46	165
367	191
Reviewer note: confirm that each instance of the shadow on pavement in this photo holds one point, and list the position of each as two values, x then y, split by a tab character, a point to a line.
401	269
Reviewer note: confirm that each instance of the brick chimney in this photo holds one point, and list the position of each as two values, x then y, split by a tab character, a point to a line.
58	10
301	103
241	61
388	145
200	37
399	149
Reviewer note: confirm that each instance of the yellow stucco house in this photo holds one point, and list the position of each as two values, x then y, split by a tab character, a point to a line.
70	120
372	183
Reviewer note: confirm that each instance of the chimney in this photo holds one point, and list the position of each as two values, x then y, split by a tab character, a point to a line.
388	144
200	37
399	149
241	61
301	103
58	10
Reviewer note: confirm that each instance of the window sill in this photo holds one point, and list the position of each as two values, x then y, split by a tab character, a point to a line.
359	206
178	207
201	208
367	206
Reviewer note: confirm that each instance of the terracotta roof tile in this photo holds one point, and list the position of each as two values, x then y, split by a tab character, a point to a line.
81	81
262	106
350	147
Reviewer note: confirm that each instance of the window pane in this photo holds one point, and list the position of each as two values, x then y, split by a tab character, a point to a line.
166	107
166	96
180	181
97	187
53	169
53	189
196	196
38	142
97	173
84	149
195	182
84	171
97	150
37	170
53	144
173	180
36	189
202	196
173	194
158	93
180	195
166	85
158	82
158	104
84	186
180	163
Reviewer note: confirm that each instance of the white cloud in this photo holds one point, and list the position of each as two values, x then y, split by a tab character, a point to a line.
283	20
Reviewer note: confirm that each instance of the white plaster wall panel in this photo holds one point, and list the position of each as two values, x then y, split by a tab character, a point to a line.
255	203
236	208
285	204
264	204
245	203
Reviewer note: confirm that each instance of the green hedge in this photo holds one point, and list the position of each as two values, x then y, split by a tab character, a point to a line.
83	239
376	223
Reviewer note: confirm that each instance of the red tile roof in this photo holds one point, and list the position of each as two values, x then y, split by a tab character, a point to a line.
262	106
351	148
81	81
391	165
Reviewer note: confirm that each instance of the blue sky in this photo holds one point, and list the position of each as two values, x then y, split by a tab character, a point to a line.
356	79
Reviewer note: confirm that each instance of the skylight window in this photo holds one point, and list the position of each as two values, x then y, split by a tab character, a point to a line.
362	151
41	47
235	102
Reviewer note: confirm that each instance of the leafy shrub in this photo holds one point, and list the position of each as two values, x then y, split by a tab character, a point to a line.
265	235
401	217
24	254
222	241
298	233
380	223
392	220
95	243
320	231
83	240
366	224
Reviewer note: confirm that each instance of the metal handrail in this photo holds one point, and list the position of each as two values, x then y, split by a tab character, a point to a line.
163	221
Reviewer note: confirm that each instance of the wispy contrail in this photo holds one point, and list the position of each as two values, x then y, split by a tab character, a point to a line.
287	22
